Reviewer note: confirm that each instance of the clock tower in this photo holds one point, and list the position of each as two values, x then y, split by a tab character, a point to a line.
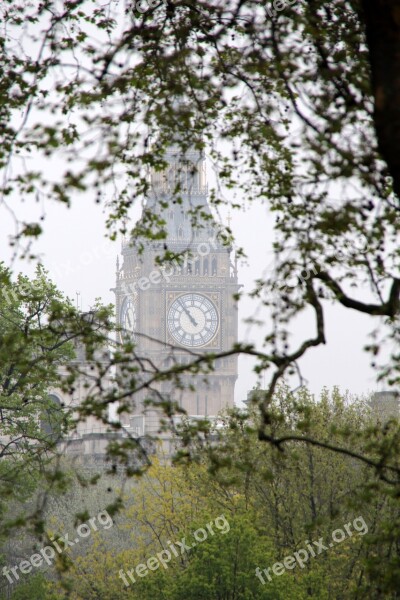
184	305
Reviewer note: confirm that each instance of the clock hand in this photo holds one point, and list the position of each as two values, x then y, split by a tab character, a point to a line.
194	322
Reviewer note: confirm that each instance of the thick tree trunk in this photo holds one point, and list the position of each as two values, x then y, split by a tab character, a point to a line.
382	21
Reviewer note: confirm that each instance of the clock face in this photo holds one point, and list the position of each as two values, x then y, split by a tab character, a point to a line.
192	320
128	317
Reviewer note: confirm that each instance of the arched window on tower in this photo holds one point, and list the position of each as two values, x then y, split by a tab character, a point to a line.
197	267
171	215
214	266
180	232
205	266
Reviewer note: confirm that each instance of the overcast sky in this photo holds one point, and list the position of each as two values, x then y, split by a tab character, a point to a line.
75	250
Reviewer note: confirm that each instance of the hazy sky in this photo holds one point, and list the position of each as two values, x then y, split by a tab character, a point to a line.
80	259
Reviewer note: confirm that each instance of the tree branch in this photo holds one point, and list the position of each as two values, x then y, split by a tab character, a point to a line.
389	308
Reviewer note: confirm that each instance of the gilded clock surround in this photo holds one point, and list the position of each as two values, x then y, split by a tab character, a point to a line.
196	302
128	317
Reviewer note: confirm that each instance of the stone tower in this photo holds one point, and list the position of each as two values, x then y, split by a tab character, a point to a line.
184	306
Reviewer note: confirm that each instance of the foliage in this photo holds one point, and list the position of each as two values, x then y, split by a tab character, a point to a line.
283	102
275	503
40	332
30	354
34	588
298	110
